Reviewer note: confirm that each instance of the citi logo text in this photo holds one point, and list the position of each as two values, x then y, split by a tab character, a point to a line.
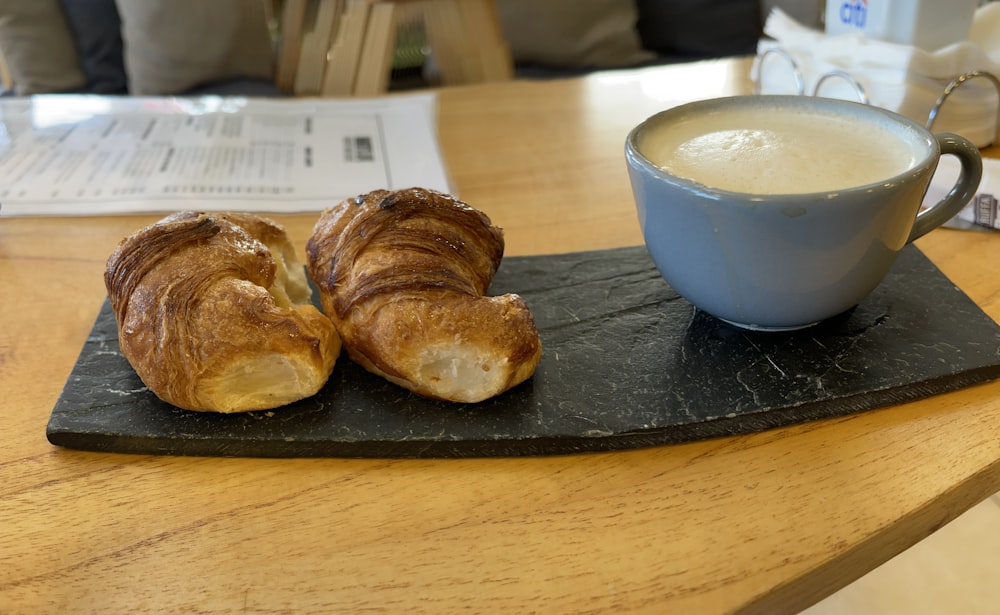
854	13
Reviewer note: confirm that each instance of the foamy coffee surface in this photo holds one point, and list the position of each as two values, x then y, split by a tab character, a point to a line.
774	150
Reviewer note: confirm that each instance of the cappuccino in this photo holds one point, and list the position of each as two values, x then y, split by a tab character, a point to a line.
822	194
773	150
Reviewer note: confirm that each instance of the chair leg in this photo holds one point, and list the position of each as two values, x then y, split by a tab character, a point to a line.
376	54
345	52
315	45
350	49
467	41
293	15
443	21
482	25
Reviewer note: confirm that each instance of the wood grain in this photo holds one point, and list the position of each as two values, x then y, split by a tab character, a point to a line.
767	523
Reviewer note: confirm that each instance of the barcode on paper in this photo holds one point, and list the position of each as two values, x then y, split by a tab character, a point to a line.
985	208
358	149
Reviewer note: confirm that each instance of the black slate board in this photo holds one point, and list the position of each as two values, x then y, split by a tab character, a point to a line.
627	363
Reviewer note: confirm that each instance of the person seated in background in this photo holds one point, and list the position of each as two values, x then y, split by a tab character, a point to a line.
559	37
139	47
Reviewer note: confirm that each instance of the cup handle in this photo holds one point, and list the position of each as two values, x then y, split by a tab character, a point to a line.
961	193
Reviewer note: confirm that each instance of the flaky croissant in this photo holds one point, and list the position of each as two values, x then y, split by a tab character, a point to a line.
402	274
214	313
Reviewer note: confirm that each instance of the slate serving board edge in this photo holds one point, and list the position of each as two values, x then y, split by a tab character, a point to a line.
78	422
540	446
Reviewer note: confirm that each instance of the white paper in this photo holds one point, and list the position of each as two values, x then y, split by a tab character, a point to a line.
981	213
86	155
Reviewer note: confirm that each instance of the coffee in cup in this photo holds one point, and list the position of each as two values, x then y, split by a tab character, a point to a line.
777	212
740	150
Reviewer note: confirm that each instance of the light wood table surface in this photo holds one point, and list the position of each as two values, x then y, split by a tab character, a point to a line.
769	523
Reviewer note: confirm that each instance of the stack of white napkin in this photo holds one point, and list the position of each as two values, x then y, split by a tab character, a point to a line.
902	78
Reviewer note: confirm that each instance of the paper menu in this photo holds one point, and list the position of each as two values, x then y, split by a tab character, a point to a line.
982	212
86	155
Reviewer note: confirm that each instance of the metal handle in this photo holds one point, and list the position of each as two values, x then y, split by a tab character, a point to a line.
959	82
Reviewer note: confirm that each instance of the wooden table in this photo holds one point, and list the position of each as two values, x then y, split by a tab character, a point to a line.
769	523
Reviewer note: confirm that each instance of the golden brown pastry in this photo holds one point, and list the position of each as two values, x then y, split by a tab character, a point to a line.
213	313
402	274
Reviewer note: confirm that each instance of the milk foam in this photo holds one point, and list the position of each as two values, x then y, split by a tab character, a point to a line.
779	151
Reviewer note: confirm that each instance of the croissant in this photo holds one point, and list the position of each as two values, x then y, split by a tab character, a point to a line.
402	275
213	312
